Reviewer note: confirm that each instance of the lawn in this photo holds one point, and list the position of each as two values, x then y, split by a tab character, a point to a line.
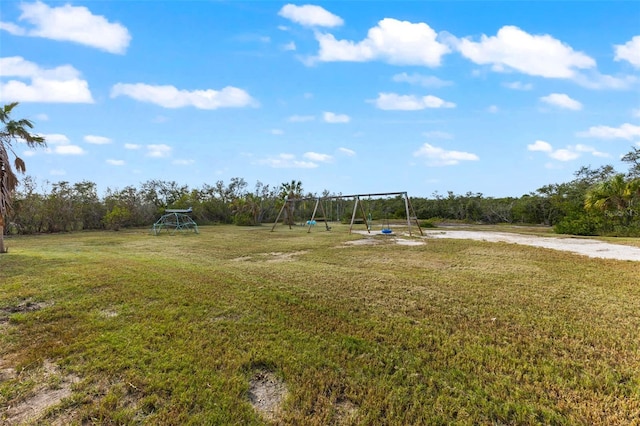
240	325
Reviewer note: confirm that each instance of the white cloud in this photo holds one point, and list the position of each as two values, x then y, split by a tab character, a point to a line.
68	150
331	117
71	23
514	49
171	97
310	16
57	172
562	100
158	150
12	28
55	138
346	151
301	118
314	156
97	140
392	41
393	101
276	132
57	144
630	51
518	85
540	146
625	131
42	117
493	109
636	113
132	146
565	154
595	80
115	162
56	85
436	156
180	162
437	134
287	161
289	46
591	150
421	80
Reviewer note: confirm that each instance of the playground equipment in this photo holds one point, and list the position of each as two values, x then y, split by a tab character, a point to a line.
386	227
175	220
289	206
410	213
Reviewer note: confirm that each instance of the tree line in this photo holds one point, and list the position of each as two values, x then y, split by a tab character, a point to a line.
598	201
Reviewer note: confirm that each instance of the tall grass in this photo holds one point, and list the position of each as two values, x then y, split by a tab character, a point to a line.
171	329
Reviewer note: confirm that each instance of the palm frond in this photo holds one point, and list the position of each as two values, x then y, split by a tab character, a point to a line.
13	131
21	167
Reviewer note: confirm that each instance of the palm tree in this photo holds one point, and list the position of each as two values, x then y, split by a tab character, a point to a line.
246	210
13	131
614	197
290	191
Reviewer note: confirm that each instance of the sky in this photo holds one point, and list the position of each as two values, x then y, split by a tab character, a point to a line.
354	97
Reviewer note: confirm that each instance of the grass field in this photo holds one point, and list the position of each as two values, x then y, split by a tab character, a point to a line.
247	326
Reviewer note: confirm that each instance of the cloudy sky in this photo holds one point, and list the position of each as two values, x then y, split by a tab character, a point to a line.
498	97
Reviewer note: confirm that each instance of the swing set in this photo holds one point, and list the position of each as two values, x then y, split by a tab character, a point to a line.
289	207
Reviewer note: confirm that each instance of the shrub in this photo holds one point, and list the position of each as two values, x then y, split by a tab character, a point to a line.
576	224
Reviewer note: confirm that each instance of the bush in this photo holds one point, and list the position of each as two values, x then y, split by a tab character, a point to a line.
244	219
117	217
577	225
427	223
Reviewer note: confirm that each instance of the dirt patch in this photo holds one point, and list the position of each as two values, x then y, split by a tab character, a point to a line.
284	257
108	313
7	374
403	242
22	307
274	256
362	242
53	389
346	411
375	238
583	246
241	259
266	394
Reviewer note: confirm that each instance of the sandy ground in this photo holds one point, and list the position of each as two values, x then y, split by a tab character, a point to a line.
584	246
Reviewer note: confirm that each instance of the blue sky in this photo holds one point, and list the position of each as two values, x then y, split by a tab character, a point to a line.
498	97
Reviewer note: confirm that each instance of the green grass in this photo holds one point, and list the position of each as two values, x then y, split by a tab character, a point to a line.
170	329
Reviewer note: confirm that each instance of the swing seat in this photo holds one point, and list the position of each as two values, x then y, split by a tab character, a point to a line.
387	231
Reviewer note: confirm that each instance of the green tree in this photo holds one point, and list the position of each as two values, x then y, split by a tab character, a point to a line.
89	209
616	198
289	193
28	210
246	210
117	217
633	159
13	131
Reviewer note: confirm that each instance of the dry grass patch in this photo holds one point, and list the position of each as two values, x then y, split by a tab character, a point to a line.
267	393
51	388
